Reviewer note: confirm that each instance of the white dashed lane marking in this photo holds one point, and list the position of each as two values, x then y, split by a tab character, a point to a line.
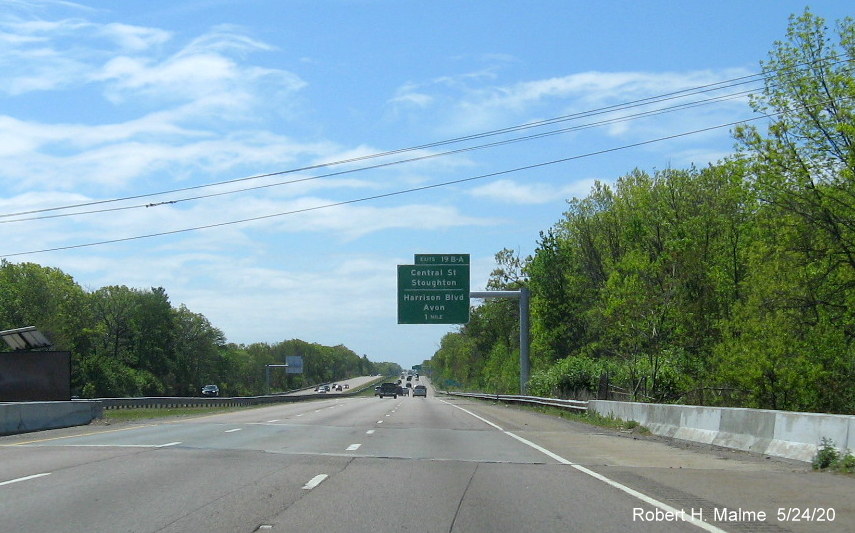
314	482
27	478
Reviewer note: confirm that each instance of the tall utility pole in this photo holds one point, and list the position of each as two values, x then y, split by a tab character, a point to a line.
523	295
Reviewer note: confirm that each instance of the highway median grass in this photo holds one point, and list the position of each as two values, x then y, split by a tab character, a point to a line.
147	413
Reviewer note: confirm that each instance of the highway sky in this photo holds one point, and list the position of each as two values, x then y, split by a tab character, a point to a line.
103	101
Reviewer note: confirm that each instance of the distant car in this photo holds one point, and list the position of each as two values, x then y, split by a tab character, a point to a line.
210	390
420	390
388	389
338	388
405	392
409	385
346	386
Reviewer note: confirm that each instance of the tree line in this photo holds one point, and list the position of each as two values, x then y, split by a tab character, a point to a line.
133	342
726	285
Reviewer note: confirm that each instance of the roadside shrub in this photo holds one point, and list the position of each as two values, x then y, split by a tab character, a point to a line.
828	457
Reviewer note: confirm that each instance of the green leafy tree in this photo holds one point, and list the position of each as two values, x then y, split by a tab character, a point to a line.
803	170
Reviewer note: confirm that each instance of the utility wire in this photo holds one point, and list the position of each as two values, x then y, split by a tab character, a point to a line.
725	84
402	161
715	86
390	194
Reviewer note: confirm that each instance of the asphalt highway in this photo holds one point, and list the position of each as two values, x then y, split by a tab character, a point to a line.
434	464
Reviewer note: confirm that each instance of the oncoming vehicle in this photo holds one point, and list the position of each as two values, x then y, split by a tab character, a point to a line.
210	390
420	390
388	389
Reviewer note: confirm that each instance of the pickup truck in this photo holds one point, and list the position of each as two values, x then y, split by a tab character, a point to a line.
388	389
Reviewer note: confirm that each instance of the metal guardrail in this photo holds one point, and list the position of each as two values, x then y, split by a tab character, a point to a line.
576	405
240	401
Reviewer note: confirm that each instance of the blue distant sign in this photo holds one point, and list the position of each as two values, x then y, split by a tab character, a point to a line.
295	364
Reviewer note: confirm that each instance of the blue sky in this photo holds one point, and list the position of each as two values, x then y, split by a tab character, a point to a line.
103	101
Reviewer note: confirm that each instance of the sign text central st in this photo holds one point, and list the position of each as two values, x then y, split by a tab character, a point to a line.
434	290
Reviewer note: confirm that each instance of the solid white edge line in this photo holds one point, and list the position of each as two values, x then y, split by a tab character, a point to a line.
632	492
34	476
314	482
168	444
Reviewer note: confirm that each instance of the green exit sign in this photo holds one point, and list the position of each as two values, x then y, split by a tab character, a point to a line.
442	259
435	290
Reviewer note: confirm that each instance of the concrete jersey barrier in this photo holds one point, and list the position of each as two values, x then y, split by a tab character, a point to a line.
23	417
784	434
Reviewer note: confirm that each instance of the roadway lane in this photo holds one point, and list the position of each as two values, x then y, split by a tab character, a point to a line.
366	464
352	382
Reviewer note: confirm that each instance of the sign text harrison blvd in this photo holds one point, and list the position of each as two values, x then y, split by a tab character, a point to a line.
435	290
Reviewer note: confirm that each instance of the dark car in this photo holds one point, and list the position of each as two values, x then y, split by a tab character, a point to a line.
388	389
210	390
420	390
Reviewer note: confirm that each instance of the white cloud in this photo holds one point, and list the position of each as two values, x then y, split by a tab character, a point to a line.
509	191
136	38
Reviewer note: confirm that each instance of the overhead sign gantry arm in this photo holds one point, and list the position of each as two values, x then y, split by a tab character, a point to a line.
524	296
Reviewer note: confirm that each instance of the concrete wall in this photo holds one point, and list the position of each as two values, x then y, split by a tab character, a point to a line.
778	433
22	417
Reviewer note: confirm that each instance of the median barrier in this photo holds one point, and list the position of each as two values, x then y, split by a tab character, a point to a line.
23	417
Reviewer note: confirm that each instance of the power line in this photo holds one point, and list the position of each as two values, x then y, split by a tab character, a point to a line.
683	93
389	194
710	87
540	135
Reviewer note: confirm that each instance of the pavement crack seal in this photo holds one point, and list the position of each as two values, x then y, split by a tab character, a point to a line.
462	497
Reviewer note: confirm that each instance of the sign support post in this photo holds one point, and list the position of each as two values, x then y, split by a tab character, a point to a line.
524	296
267	375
